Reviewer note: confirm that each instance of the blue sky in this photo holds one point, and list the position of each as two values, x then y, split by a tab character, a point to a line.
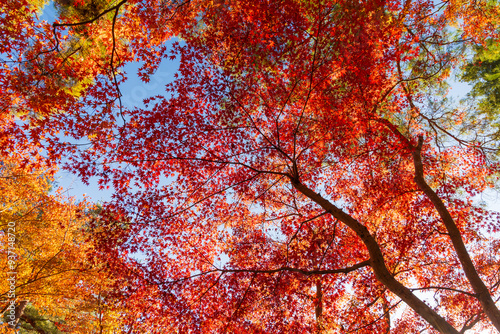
135	91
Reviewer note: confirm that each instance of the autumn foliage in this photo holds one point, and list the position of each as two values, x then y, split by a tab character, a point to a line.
46	255
303	172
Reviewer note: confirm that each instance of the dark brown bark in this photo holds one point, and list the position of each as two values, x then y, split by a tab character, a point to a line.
377	261
481	291
319	305
33	324
19	311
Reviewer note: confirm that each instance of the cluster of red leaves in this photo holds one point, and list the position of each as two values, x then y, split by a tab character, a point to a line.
254	187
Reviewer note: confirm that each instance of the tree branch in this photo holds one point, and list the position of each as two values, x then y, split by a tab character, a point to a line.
481	291
377	261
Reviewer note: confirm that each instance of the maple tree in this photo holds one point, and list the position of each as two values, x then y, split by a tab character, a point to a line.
300	174
46	258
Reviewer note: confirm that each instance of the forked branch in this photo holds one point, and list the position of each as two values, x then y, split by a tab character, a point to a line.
377	261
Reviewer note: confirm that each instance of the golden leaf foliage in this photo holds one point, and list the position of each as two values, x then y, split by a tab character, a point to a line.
45	253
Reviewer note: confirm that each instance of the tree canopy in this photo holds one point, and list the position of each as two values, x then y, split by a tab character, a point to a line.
48	270
302	173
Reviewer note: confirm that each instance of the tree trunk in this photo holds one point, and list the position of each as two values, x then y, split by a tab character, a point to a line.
17	314
318	308
481	291
377	261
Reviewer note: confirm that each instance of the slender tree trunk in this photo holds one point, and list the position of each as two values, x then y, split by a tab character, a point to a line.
318	308
481	291
387	315
377	261
18	313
